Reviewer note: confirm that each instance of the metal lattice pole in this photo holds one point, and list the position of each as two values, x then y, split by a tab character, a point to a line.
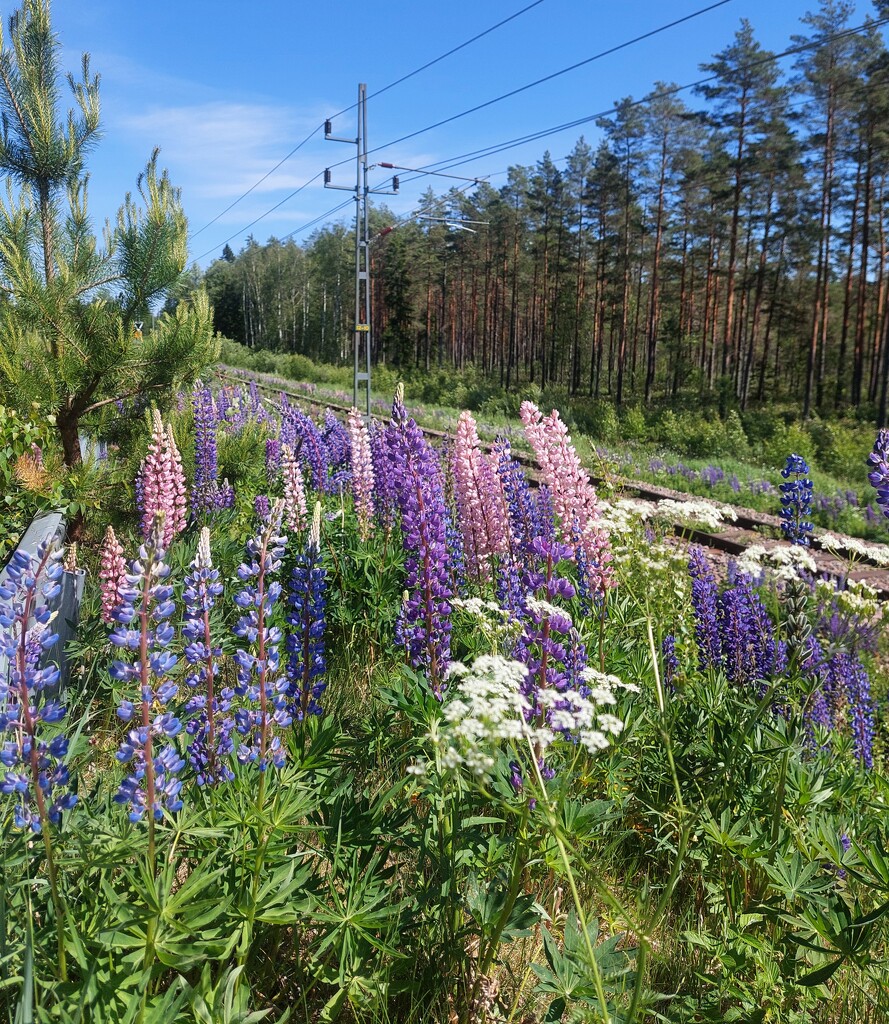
363	342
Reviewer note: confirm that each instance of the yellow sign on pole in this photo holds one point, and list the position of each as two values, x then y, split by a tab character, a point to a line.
362	327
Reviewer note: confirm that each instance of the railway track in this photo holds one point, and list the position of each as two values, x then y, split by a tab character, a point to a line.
749	527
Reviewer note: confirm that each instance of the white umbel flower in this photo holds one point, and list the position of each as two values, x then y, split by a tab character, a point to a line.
487	709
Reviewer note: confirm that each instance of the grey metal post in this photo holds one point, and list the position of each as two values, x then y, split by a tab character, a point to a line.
49	528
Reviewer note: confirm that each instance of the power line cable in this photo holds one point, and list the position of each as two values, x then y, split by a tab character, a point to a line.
318	219
256	184
450	53
447	163
450	162
262	216
554	74
379	92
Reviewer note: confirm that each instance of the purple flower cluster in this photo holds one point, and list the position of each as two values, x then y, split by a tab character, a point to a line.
209	723
733	629
750	651
261	507
338	445
851	676
879	473
549	644
841	695
384	491
204	494
301	434
796	501
705	600
424	625
272	459
208	495
671	662
143	634
524	512
305	642
260	679
36	775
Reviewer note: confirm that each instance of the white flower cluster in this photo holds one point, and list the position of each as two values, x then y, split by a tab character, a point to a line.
624	516
856	598
782	562
604	681
487	708
476	606
876	553
546	610
699	511
494	622
664	559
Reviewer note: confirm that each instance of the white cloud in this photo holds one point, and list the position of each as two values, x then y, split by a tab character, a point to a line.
219	149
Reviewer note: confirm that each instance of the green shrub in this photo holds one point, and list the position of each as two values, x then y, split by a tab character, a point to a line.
633	426
788	440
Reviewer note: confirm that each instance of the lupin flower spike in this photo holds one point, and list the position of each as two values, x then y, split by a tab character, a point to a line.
180	498
206	464
362	474
796	501
295	510
210	725
112	574
879	474
424	626
147	605
160	484
573	496
260	680
305	642
480	501
36	774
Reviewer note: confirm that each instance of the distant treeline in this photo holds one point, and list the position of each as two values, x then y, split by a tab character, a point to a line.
737	246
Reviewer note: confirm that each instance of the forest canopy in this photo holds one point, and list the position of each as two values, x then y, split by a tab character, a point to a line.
730	239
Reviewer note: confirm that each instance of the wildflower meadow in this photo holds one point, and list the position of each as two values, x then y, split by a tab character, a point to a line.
366	727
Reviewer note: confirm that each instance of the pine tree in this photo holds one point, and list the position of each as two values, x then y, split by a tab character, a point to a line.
68	324
741	94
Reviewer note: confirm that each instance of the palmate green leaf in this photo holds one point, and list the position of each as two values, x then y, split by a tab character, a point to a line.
874	857
820	976
359	910
229	1003
561	976
556	1011
796	878
283	897
186	896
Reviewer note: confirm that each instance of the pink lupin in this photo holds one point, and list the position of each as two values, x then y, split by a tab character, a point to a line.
362	473
112	573
574	497
483	517
162	482
178	516
295	509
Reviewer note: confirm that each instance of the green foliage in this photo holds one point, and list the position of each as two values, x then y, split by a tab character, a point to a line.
695	870
25	487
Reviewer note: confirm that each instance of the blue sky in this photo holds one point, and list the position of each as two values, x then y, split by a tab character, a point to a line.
226	89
